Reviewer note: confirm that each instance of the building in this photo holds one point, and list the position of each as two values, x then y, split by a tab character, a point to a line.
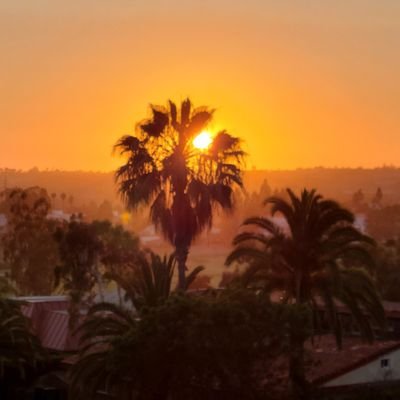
49	320
359	367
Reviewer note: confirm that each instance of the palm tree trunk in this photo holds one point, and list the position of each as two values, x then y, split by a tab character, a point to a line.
99	280
119	294
300	387
181	254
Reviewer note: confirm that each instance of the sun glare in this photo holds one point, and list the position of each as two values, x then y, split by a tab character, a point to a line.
202	141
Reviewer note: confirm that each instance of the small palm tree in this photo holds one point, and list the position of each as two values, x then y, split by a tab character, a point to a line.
181	183
63	196
104	326
321	257
147	281
19	348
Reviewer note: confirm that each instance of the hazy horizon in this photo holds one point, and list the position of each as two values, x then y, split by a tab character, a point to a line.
246	170
304	84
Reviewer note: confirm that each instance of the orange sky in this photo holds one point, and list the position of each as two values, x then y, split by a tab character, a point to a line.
304	83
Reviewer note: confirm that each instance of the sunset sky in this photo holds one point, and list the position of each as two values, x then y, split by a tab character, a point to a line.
304	83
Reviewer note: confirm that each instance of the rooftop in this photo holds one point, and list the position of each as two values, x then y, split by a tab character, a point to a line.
327	362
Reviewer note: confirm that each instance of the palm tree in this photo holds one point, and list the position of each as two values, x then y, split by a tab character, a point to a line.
53	198
321	257
20	350
147	281
63	196
71	202
104	325
181	183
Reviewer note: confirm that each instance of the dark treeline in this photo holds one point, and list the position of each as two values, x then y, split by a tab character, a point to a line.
340	183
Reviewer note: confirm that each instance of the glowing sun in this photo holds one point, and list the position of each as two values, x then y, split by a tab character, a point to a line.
202	141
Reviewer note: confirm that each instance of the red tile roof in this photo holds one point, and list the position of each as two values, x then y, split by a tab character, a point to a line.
326	362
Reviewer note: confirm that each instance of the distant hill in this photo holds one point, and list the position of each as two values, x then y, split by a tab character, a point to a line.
85	187
339	183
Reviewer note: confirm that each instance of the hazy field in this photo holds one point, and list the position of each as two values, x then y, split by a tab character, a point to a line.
211	256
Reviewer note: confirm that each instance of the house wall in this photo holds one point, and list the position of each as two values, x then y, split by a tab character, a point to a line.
371	372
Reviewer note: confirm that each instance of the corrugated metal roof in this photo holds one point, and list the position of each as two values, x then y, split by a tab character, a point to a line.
42	299
55	330
50	321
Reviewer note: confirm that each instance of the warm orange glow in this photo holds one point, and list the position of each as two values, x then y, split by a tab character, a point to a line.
261	67
202	141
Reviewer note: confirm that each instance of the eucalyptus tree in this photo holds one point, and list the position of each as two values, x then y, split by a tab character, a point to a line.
318	256
30	251
76	273
181	182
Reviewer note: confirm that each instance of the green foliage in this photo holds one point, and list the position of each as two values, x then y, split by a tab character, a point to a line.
6	288
181	184
147	278
29	248
384	223
388	271
218	346
118	246
92	253
19	348
76	274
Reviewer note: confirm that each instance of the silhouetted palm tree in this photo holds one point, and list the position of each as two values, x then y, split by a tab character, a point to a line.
53	200
104	325
319	258
63	196
181	183
147	279
71	202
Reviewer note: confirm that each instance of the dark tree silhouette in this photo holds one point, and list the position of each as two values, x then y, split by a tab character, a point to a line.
71	202
20	350
154	357
147	278
77	274
320	256
28	246
358	201
63	196
377	199
181	183
53	199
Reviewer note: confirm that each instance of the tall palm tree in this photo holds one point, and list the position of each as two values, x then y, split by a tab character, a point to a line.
182	184
321	256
